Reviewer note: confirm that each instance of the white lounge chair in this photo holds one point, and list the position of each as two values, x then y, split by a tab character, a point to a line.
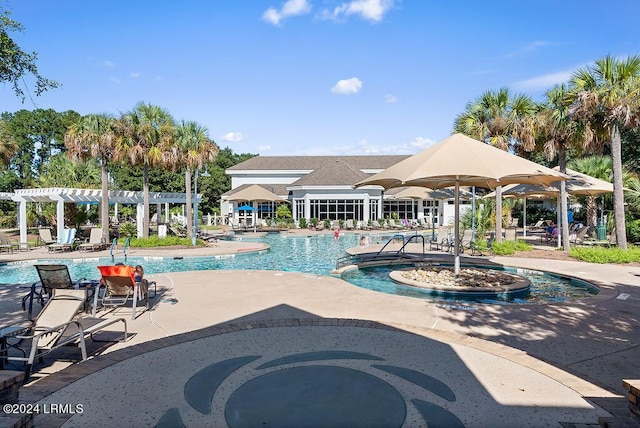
95	241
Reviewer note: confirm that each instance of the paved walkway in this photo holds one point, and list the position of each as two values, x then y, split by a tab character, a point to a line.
248	348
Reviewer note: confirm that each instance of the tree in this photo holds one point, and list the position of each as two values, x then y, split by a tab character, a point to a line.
60	171
146	132
192	149
607	95
8	145
560	131
94	136
505	122
15	63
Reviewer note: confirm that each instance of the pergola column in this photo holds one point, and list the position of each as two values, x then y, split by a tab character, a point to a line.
59	217
22	218
158	213
139	218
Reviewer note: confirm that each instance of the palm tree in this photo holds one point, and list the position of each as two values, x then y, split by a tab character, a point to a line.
560	131
192	149
503	121
595	166
93	136
146	131
608	96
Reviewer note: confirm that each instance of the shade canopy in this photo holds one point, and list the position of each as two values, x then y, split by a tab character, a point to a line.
578	184
245	208
255	193
462	161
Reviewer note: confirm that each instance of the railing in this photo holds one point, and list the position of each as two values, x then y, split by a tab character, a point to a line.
126	247
382	255
114	246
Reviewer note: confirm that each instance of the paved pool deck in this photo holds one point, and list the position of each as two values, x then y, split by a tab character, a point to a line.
247	348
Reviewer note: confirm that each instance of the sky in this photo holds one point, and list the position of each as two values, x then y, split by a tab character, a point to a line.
312	77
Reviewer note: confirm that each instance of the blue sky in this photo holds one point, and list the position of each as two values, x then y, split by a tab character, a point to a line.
312	77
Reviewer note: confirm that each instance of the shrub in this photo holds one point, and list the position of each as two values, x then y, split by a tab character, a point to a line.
506	248
155	241
303	223
633	231
313	222
606	254
128	229
327	223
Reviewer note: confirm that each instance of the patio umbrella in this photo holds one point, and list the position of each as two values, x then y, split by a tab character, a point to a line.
254	193
245	208
462	161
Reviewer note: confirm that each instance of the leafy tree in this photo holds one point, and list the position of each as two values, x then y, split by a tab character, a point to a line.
8	145
15	63
60	171
608	95
94	136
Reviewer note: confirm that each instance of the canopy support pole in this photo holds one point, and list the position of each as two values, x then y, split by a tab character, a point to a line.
456	238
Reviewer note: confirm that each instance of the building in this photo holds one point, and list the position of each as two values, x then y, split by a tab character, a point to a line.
322	187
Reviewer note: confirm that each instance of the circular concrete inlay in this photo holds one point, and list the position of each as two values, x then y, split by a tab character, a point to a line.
316	396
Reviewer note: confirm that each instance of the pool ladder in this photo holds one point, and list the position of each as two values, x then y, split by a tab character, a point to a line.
114	248
382	254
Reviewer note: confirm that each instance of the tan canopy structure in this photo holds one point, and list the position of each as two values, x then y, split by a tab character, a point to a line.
462	161
255	193
416	192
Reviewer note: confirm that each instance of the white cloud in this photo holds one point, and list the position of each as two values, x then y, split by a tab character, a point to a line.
135	74
108	64
289	8
347	86
545	81
363	147
390	99
234	137
115	80
370	10
263	149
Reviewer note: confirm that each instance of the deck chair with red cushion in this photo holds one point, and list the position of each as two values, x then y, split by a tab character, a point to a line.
120	286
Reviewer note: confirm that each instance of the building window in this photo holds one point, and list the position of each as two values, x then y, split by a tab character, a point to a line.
405	209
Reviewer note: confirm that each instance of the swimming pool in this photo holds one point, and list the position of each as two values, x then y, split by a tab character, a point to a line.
305	254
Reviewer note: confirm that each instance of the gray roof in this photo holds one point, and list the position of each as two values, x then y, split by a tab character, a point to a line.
313	162
335	172
278	189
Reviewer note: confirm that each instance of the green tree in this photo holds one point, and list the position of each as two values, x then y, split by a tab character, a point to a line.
146	132
608	95
505	122
8	145
60	171
193	148
94	136
15	63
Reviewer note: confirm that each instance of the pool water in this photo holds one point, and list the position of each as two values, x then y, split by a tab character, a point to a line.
305	254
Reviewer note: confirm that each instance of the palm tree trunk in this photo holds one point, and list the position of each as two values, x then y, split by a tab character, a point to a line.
499	214
618	194
104	205
592	211
189	211
562	162
145	191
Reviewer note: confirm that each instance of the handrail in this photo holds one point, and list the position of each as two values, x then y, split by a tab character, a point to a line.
393	238
114	245
125	247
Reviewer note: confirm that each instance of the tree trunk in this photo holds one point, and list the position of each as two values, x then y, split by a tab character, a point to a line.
499	214
618	194
145	191
562	163
104	205
592	211
189	211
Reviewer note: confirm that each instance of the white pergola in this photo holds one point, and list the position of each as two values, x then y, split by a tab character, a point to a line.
76	196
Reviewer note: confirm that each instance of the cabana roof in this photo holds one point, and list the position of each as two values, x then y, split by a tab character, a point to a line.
70	195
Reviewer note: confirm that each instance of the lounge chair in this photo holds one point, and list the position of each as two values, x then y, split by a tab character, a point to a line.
579	236
349	224
120	286
95	241
65	243
51	277
45	236
54	327
441	239
5	244
539	226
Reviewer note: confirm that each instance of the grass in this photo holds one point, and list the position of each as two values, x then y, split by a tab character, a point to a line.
606	254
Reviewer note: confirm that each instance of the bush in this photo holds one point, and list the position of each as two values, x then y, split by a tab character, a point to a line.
128	230
155	241
303	223
506	248
606	254
313	222
633	231
327	223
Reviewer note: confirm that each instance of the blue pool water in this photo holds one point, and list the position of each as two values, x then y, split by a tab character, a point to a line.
315	255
